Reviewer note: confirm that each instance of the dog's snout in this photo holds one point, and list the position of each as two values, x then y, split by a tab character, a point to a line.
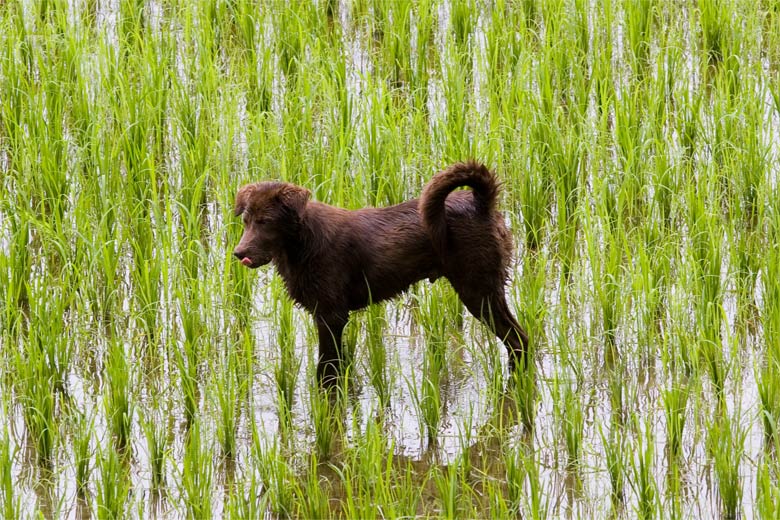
239	253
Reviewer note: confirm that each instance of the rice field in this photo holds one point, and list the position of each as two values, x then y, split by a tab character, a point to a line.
144	373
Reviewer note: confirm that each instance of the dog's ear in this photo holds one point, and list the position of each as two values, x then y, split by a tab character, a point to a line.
293	197
242	198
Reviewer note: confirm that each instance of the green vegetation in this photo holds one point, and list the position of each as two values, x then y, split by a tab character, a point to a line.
143	371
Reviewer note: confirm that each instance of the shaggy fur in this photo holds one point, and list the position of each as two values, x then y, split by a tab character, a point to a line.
334	261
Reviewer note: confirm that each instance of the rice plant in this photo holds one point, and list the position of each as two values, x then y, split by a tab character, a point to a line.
144	371
725	444
113	484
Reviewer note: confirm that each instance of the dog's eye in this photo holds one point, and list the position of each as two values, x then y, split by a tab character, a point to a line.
260	220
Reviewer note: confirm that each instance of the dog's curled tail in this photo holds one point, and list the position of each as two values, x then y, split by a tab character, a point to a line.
432	209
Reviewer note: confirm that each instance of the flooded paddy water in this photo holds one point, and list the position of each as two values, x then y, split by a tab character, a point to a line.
146	374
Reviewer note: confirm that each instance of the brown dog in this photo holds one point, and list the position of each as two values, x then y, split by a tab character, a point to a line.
334	261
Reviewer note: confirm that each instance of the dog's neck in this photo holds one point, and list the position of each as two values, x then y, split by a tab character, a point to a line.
300	246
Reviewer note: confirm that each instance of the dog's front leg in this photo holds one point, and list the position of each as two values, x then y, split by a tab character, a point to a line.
329	330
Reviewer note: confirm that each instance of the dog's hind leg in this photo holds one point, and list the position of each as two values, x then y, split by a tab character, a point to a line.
329	330
494	312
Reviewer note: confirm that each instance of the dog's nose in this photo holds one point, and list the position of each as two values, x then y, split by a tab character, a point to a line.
239	254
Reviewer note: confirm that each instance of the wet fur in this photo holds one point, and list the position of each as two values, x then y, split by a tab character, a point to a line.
334	261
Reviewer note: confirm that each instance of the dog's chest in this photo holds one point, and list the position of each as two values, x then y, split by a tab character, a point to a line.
305	287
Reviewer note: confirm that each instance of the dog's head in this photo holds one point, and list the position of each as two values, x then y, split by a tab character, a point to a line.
270	211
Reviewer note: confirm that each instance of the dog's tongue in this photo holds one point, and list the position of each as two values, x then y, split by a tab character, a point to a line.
246	261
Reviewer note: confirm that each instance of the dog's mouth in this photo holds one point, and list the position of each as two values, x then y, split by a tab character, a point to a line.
252	263
248	262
